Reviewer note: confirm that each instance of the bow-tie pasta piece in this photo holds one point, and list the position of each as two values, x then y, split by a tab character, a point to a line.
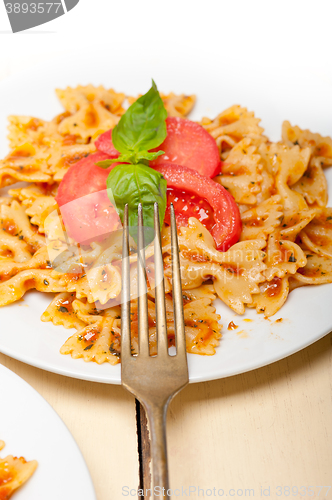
321	147
241	173
93	110
99	342
283	257
14	472
231	126
40	133
260	221
313	185
26	163
272	296
317	271
317	235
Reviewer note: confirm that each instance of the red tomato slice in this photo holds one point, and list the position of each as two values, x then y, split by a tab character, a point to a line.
227	228
190	145
82	197
188	205
105	145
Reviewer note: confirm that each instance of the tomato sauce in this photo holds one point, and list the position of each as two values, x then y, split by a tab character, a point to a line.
273	288
69	140
33	124
7	473
10	227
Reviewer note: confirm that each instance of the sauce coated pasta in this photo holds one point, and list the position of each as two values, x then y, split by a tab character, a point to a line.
14	472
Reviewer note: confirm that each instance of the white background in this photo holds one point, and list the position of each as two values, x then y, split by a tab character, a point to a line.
278	34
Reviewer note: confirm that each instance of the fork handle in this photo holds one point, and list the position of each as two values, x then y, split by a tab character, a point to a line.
157	422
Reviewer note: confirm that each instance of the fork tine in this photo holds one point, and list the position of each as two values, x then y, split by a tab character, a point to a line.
143	322
125	290
160	288
177	290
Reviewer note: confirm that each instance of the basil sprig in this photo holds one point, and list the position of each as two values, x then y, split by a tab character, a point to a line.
141	128
134	184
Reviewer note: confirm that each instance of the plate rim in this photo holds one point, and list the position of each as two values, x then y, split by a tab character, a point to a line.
35	395
193	380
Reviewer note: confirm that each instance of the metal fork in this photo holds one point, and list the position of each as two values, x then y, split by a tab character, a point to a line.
154	380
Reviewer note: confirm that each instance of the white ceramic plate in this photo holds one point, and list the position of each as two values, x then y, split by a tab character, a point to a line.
274	94
31	428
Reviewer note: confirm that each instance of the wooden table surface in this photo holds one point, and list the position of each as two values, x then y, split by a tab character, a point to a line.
267	428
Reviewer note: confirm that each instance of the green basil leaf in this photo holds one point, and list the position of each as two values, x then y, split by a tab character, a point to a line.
131	158
123	158
106	163
143	126
134	184
146	155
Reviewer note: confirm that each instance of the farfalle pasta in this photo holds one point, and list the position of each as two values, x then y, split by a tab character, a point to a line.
14	472
280	189
231	126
